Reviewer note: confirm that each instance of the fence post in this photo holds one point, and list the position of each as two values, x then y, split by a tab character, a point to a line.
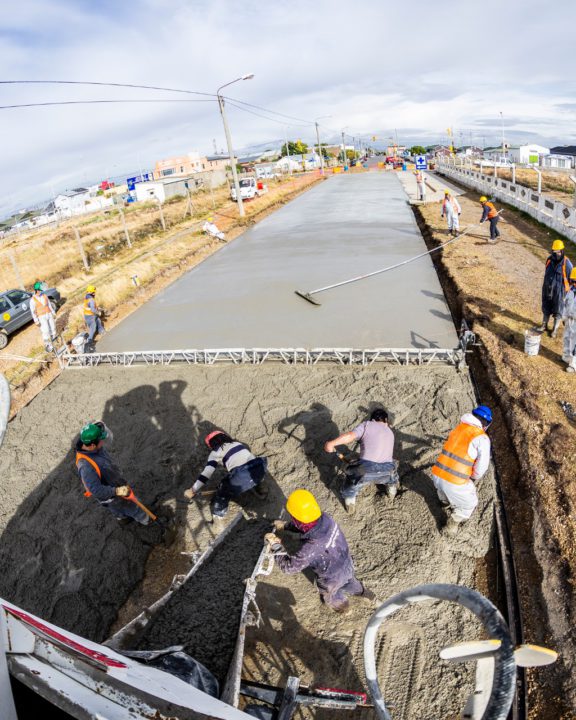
514	174
81	248
161	214
189	205
16	270
126	233
539	179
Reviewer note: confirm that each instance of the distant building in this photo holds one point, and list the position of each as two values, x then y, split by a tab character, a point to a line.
166	188
519	154
180	166
295	163
217	162
72	202
562	157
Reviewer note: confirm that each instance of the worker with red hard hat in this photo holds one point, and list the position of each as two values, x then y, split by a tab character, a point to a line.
465	457
244	471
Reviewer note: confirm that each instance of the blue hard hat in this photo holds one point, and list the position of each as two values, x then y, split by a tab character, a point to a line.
483	412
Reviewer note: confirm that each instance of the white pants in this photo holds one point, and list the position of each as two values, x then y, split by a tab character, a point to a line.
569	342
421	190
47	327
462	498
453	219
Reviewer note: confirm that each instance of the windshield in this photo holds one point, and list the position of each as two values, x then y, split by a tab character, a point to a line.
245	183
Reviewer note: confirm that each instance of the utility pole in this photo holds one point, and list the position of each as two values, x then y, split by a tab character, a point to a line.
343	148
319	149
126	233
81	249
287	150
231	156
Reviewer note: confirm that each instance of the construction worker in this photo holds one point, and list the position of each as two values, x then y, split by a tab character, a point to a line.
569	315
324	550
244	471
44	315
102	478
376	464
92	314
452	210
210	228
420	185
489	213
464	459
555	286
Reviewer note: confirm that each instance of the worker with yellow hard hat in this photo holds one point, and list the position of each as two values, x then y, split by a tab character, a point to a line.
323	550
92	316
569	315
555	286
210	228
490	213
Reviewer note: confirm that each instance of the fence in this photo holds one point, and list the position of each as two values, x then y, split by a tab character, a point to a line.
553	213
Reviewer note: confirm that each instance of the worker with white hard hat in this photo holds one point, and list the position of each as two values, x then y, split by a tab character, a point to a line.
451	210
569	315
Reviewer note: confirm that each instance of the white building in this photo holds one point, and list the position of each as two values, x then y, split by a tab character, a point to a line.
527	154
72	202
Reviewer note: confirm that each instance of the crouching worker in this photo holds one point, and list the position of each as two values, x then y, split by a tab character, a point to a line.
376	464
465	458
324	550
102	478
244	472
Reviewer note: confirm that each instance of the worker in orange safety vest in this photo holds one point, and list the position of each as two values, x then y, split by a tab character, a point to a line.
464	459
43	314
490	213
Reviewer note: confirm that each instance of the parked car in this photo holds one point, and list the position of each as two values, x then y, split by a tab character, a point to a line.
248	189
15	311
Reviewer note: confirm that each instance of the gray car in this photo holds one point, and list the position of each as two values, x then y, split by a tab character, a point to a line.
15	311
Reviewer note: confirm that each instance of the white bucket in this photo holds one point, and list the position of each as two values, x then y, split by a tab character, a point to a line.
532	342
78	343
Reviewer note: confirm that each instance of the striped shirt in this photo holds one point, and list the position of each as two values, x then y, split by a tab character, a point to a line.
232	455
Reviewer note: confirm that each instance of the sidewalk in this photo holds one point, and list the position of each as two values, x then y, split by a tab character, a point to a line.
435	187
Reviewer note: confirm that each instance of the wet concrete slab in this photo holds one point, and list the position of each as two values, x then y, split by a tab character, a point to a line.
243	296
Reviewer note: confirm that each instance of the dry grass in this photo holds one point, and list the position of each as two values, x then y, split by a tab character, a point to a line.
556	182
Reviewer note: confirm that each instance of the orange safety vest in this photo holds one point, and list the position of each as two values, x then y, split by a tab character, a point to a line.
87	309
564	276
81	456
492	210
42	304
454	464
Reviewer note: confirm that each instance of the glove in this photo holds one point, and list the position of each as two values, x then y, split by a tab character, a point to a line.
328	447
271	540
189	494
279	525
123	491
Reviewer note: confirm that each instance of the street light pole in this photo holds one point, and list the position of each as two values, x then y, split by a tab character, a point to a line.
318	141
229	141
343	149
502	124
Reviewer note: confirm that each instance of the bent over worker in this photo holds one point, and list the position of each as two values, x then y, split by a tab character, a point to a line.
489	213
464	458
569	315
324	550
92	314
102	478
376	464
451	209
43	314
244	471
555	286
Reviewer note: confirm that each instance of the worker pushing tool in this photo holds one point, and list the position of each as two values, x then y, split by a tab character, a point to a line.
490	213
103	479
451	210
324	550
569	315
44	315
420	185
464	459
92	314
244	472
376	463
210	228
555	286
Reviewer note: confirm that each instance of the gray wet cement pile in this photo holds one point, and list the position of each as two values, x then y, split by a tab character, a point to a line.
66	559
243	295
204	613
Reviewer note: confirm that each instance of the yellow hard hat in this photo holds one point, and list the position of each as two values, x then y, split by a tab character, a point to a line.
446	192
573	274
91	289
557	245
483	198
210	219
302	505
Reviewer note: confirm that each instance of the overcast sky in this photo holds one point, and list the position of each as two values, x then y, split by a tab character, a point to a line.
374	66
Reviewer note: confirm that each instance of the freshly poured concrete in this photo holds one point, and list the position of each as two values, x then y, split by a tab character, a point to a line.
243	296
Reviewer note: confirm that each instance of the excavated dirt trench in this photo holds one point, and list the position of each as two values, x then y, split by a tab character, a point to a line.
66	559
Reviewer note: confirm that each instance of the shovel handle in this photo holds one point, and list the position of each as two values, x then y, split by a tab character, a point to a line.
142	507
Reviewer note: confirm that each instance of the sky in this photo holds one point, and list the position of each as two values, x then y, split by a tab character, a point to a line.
375	67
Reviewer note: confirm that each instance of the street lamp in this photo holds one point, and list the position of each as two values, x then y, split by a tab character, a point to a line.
344	146
322	117
503	146
229	140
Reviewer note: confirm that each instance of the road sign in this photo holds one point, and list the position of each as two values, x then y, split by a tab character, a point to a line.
421	163
132	181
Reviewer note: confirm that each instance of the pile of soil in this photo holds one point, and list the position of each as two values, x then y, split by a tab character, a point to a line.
497	289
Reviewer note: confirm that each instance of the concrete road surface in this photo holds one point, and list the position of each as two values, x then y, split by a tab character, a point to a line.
243	296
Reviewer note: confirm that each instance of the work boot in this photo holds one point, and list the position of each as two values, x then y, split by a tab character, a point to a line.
451	527
367	594
544	326
391	491
342	609
350	505
261	491
124	521
555	327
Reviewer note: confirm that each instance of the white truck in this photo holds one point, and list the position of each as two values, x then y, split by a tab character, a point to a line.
249	189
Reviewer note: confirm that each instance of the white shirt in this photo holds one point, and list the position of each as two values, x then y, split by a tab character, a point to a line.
479	448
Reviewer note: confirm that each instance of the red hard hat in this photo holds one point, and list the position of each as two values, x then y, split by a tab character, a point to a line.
211	435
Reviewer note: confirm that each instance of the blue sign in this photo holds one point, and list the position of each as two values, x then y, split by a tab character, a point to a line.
421	162
132	181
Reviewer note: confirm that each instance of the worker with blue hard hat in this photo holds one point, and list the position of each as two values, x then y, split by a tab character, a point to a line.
464	459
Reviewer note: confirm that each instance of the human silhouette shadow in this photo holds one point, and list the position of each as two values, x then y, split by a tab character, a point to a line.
319	427
63	556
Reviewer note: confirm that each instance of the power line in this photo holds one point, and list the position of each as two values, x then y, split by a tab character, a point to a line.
280	122
93	102
103	84
273	112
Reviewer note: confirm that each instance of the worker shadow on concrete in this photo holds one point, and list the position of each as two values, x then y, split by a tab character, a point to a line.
282	646
312	428
419	481
419	341
65	557
435	296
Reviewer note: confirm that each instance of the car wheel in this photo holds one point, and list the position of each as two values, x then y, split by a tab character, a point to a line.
3	339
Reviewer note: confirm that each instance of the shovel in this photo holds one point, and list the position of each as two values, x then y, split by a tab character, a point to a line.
134	499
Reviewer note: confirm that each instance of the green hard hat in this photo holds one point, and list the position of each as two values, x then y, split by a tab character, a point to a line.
92	433
38	285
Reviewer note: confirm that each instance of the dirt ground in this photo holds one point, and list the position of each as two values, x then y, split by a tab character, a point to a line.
497	288
65	558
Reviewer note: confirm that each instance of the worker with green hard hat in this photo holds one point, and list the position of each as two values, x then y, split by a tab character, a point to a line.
44	314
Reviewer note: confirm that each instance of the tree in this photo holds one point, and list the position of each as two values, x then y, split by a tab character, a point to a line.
417	150
296	148
352	154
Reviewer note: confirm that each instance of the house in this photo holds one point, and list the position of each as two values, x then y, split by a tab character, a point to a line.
72	202
217	162
296	163
519	154
561	156
180	166
164	189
